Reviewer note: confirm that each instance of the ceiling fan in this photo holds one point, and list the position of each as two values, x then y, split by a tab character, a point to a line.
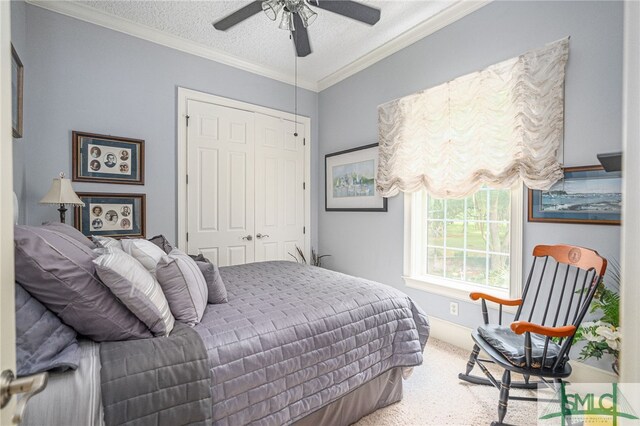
297	16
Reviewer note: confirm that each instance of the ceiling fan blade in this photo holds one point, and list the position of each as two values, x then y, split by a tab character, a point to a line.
350	9
238	16
300	37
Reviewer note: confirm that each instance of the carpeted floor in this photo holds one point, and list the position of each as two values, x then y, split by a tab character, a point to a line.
434	395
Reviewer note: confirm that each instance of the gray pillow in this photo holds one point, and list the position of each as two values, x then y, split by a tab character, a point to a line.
134	285
59	272
215	285
162	242
69	231
43	343
183	285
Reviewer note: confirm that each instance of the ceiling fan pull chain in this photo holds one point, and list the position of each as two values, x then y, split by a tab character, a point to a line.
295	95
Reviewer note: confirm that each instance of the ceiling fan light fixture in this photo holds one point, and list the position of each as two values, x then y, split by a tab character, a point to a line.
307	15
287	21
271	8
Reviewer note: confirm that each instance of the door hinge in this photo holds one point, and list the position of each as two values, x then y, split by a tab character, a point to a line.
304	185
187	237
304	141
304	229
187	117
187	179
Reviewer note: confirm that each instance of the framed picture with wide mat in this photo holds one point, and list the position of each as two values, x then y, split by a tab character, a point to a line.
586	195
111	215
350	180
107	159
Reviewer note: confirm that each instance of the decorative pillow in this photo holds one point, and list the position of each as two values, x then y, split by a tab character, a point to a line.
106	242
215	286
145	252
59	272
69	231
43	343
161	242
184	286
136	288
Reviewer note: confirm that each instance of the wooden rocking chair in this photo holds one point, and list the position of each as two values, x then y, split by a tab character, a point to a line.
548	327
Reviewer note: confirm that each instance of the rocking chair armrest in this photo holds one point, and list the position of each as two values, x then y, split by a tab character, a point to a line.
520	327
507	302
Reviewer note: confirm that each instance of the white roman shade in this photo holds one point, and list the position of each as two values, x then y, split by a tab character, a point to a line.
491	127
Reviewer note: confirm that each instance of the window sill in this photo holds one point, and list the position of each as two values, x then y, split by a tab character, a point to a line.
458	291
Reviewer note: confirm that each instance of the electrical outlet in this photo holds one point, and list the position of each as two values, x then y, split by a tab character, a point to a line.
453	308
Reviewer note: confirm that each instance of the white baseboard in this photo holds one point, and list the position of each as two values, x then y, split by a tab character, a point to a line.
460	336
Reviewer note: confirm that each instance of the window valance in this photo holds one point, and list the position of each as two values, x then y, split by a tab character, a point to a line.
491	127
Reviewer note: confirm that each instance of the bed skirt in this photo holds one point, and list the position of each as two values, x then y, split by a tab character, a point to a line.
386	389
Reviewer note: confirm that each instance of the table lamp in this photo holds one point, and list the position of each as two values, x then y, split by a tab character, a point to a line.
61	193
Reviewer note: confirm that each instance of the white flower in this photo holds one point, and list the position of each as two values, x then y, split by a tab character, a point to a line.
606	332
613	344
590	336
610	334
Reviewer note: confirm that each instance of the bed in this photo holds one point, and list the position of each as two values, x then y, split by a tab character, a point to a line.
295	344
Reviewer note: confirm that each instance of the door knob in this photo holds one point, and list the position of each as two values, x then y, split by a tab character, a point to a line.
248	237
29	386
262	236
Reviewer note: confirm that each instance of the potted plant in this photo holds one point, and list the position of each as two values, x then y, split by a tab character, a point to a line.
316	260
603	334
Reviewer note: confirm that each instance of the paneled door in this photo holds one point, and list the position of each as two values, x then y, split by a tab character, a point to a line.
7	286
245	185
220	183
280	186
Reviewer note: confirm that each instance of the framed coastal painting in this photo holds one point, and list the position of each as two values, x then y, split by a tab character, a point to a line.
351	180
107	159
111	215
586	195
17	90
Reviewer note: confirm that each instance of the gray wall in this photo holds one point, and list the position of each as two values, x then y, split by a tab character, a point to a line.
371	244
88	78
19	41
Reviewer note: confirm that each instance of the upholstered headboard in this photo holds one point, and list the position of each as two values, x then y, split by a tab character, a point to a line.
16	208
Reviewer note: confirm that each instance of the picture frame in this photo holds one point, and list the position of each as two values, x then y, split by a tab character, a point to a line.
350	180
107	159
111	215
586	195
17	93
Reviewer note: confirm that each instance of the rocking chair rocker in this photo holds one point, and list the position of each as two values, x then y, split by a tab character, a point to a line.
543	351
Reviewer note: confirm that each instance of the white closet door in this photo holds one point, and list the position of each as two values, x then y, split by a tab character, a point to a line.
220	189
279	219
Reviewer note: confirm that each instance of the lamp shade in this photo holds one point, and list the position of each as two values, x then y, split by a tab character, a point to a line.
61	192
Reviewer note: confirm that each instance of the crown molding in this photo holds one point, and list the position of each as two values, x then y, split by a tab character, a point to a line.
123	25
438	21
88	14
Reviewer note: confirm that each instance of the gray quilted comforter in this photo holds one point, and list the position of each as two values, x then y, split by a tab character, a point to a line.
294	338
291	340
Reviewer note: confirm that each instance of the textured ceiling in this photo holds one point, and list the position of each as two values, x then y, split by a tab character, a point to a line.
336	41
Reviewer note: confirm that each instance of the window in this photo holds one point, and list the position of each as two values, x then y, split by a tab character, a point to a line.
465	244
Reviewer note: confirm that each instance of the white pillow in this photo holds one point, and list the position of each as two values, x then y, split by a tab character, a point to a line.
106	242
136	288
144	252
184	286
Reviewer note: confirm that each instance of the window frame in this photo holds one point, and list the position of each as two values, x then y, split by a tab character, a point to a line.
414	249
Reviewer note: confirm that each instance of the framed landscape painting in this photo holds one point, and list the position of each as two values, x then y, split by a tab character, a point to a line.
586	195
351	180
107	159
111	215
